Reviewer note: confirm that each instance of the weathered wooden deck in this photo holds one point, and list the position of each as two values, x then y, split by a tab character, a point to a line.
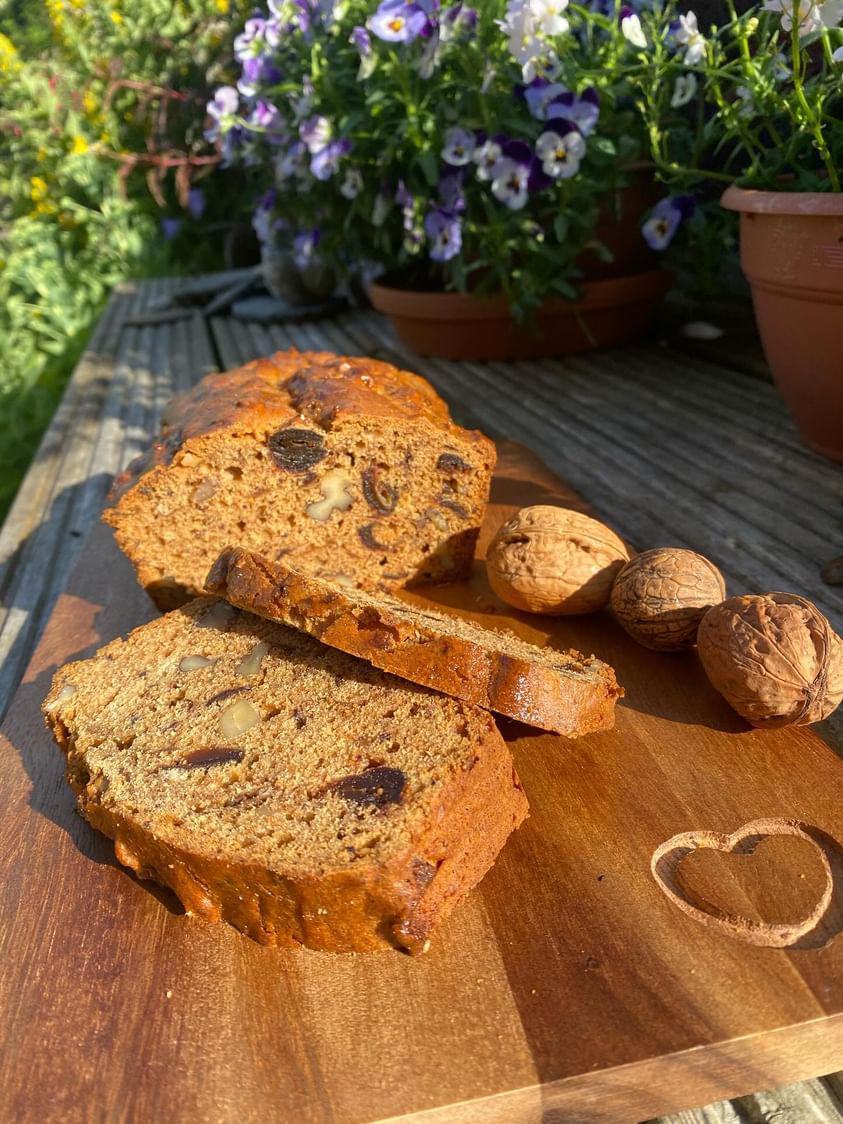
668	447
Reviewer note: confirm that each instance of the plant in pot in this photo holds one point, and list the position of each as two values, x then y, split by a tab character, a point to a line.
756	106
485	164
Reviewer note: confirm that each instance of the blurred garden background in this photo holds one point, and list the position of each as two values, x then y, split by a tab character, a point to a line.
104	175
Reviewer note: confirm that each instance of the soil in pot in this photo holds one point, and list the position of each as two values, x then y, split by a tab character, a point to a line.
792	256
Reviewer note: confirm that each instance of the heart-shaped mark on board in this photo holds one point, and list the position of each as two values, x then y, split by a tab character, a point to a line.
667	858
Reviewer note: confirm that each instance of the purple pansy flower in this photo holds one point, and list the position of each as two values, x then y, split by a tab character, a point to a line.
264	221
362	40
266	117
451	193
582	109
256	72
304	247
445	233
455	20
560	153
327	160
403	196
223	109
664	220
257	38
510	182
398	22
486	156
170	228
540	95
316	132
289	163
458	147
196	202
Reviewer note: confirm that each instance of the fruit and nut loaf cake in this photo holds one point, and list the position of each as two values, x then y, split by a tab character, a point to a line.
556	690
348	467
280	785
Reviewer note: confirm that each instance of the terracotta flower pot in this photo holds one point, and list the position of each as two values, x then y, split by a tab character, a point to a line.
462	326
792	255
618	229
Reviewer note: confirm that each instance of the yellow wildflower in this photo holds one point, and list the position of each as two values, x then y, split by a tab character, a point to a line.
115	17
89	102
79	146
222	6
55	10
8	55
38	189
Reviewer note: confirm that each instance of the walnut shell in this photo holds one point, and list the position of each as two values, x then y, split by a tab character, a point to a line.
661	596
553	560
774	658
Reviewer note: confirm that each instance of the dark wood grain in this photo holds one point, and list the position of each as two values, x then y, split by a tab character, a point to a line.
565	988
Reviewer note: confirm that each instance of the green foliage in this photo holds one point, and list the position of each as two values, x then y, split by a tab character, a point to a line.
101	117
762	103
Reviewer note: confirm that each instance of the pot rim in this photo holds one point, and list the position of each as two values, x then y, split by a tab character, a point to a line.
420	304
752	201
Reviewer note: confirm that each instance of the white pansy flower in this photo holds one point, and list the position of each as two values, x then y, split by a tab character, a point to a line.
808	15
509	183
683	90
458	147
486	157
352	184
633	31
520	29
547	16
381	208
837	56
691	38
546	65
560	155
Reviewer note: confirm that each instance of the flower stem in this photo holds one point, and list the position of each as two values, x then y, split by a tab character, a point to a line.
814	126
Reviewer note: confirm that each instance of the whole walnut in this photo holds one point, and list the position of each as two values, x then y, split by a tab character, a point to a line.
774	658
661	596
553	560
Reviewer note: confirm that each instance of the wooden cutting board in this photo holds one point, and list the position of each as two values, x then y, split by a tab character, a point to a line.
565	988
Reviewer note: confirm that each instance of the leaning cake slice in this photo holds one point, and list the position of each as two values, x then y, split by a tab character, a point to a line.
282	786
562	691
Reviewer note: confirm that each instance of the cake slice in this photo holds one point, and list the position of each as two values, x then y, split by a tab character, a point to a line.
555	690
349	467
282	786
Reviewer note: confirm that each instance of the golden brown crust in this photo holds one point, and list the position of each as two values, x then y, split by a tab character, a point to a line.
356	910
315	385
530	691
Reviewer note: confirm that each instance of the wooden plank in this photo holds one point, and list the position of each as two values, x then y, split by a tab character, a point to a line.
566	984
106	416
